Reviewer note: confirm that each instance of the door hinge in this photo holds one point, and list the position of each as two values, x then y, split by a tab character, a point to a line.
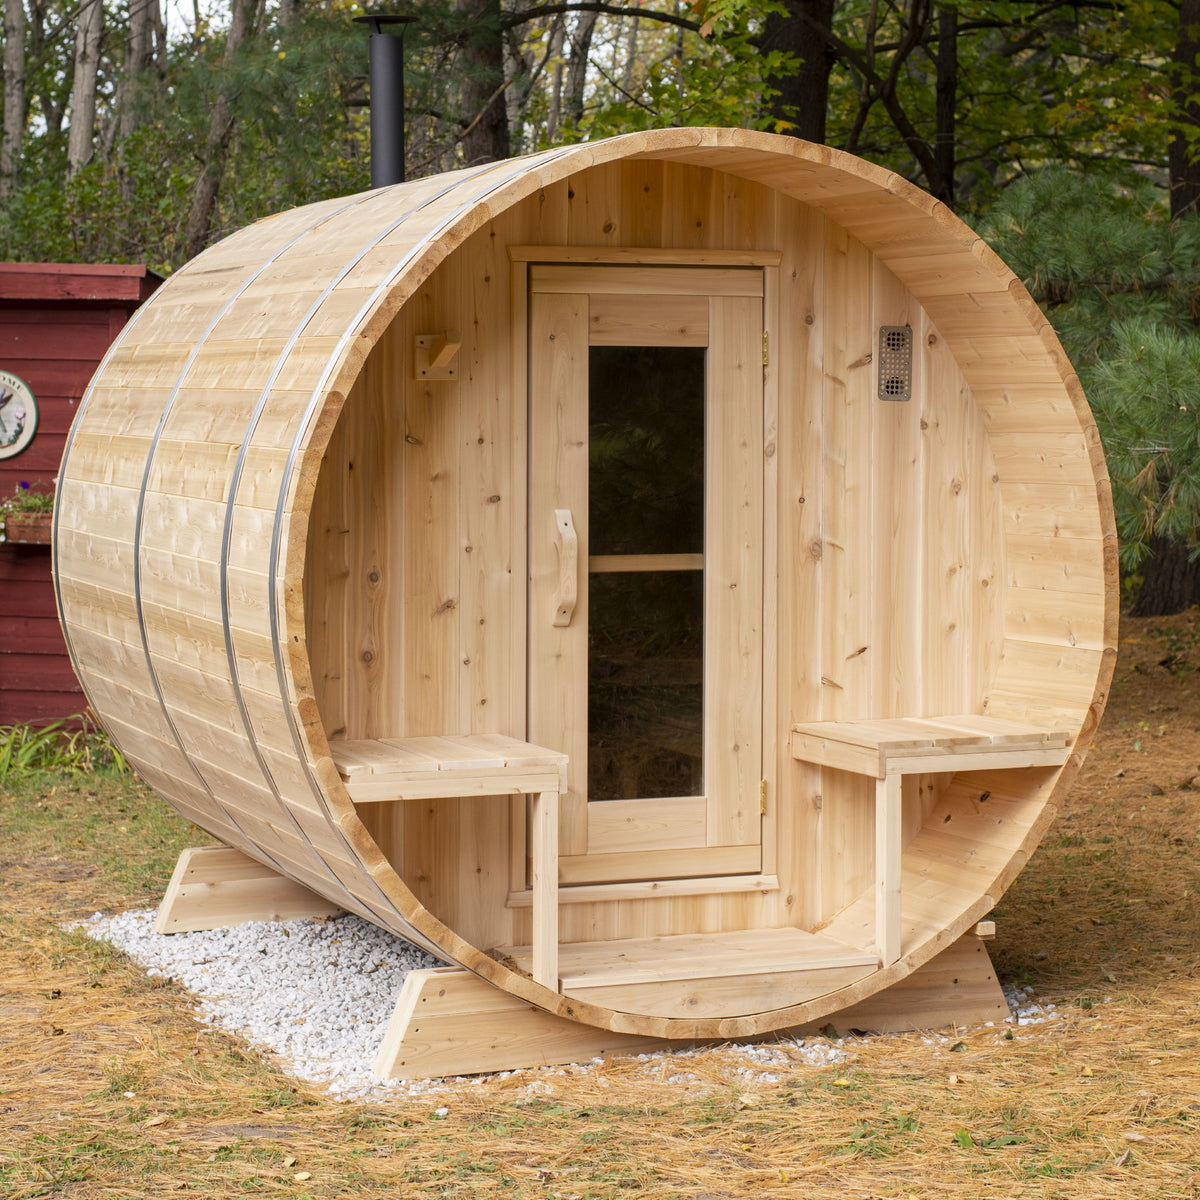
762	797
766	349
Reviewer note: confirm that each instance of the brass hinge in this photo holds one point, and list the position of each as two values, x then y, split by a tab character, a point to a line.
762	797
766	349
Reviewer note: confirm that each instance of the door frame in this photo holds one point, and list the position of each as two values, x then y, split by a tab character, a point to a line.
759	872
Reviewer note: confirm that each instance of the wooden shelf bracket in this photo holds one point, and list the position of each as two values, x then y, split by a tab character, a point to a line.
434	354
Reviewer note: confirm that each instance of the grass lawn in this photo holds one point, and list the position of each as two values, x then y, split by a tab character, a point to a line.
109	1087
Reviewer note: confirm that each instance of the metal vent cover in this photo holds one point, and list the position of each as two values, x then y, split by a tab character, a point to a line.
895	362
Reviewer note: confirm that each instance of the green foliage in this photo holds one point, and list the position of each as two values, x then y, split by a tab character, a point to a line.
25	750
1121	284
300	133
715	79
1148	405
297	138
1033	84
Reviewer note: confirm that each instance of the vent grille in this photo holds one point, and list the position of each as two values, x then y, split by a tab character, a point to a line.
895	362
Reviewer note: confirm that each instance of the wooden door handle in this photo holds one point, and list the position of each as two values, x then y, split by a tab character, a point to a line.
567	541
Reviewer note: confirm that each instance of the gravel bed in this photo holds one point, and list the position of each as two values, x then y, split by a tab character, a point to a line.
318	996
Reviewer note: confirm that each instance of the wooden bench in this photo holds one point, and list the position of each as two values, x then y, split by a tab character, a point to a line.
489	764
887	750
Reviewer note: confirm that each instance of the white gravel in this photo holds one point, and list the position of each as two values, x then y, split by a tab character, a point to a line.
318	996
1026	1008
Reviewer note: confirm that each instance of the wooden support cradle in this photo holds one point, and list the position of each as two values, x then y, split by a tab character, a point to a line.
489	764
887	750
215	886
448	1022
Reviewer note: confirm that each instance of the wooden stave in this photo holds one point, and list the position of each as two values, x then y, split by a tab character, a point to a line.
827	180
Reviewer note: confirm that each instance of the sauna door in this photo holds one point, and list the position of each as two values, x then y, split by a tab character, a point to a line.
646	564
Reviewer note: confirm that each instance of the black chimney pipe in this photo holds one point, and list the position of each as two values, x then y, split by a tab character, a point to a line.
387	97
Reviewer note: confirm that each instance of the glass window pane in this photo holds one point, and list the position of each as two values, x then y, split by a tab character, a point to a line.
645	684
646	453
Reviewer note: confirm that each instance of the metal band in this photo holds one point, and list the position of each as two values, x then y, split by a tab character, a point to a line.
168	408
126	329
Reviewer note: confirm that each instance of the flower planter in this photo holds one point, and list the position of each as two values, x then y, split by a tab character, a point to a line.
34	529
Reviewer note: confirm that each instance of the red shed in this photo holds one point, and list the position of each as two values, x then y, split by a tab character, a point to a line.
56	322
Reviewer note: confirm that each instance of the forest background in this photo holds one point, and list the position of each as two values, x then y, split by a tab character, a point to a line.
1067	133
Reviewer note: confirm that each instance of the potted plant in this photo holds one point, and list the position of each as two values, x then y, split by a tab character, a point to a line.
27	514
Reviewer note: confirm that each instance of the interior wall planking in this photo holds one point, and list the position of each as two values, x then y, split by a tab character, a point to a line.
491	593
848	602
802	238
900	592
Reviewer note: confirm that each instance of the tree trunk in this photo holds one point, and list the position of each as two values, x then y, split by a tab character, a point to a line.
1170	580
139	57
160	40
1183	155
145	18
518	68
947	94
558	34
631	50
581	49
81	140
803	97
13	133
220	132
37	47
481	65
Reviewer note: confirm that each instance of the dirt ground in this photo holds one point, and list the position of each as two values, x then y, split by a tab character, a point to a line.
110	1088
1114	890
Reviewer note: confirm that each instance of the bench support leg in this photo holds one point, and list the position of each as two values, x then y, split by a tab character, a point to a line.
888	817
544	841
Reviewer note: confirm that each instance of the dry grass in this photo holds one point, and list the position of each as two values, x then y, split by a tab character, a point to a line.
109	1087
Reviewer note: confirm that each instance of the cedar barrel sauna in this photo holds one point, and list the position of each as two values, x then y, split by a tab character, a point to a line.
671	578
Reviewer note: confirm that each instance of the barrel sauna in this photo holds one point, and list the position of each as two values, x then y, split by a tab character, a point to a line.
672	577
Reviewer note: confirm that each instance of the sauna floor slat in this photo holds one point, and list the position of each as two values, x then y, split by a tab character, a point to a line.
695	956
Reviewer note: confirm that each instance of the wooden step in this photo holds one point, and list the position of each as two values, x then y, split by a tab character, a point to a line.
740	952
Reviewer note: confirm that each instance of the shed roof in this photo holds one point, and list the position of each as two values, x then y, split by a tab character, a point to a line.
122	284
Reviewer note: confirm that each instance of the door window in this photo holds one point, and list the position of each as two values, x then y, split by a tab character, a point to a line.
645	572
